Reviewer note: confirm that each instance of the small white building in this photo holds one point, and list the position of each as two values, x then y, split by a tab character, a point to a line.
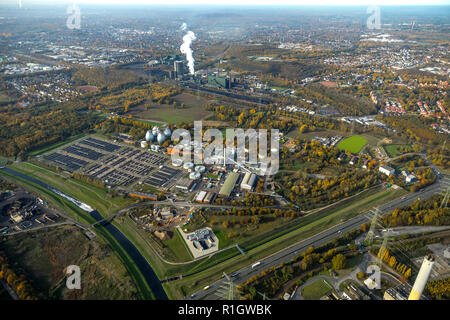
387	170
370	283
410	178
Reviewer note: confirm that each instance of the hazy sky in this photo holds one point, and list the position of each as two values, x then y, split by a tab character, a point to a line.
246	2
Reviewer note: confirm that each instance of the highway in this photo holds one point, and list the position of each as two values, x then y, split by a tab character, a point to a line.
319	239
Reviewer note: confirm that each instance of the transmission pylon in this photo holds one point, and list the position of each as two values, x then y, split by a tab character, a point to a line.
444	202
369	237
228	291
263	295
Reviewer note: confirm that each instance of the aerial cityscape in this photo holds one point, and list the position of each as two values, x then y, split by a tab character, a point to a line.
251	152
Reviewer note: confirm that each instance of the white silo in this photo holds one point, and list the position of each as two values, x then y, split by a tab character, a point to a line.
144	144
149	136
422	278
167	132
161	137
155	130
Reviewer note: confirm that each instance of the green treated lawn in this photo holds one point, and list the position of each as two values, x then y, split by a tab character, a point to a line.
316	290
394	150
45	149
178	248
193	110
4	97
352	144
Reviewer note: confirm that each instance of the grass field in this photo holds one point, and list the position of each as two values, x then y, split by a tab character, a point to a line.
45	255
45	149
81	216
4	98
193	110
316	290
394	150
352	144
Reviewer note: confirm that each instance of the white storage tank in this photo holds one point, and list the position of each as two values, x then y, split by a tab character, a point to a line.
149	137
167	132
200	169
144	144
161	137
177	162
188	166
195	176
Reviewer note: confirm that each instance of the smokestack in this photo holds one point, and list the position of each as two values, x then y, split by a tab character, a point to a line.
422	278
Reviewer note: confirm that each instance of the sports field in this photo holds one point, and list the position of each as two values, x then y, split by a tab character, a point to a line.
352	144
316	290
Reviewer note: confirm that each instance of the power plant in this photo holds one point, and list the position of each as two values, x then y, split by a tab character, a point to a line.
178	68
422	278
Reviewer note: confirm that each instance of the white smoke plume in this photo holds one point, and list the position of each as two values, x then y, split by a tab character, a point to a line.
183	26
186	49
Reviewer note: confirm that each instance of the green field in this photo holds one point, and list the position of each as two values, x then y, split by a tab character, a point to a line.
316	290
352	144
45	149
45	255
4	98
193	110
394	150
72	210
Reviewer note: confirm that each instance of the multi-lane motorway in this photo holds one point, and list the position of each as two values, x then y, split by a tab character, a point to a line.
319	239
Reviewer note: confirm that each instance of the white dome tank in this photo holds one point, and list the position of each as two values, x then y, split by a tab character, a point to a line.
161	137
167	132
200	169
194	176
149	136
188	165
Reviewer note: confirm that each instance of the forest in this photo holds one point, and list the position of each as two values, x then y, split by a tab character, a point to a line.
421	212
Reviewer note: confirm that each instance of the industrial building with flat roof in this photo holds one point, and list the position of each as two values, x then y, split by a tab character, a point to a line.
228	185
400	292
249	181
386	170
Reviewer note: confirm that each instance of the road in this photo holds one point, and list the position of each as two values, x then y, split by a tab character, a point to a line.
319	239
10	291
